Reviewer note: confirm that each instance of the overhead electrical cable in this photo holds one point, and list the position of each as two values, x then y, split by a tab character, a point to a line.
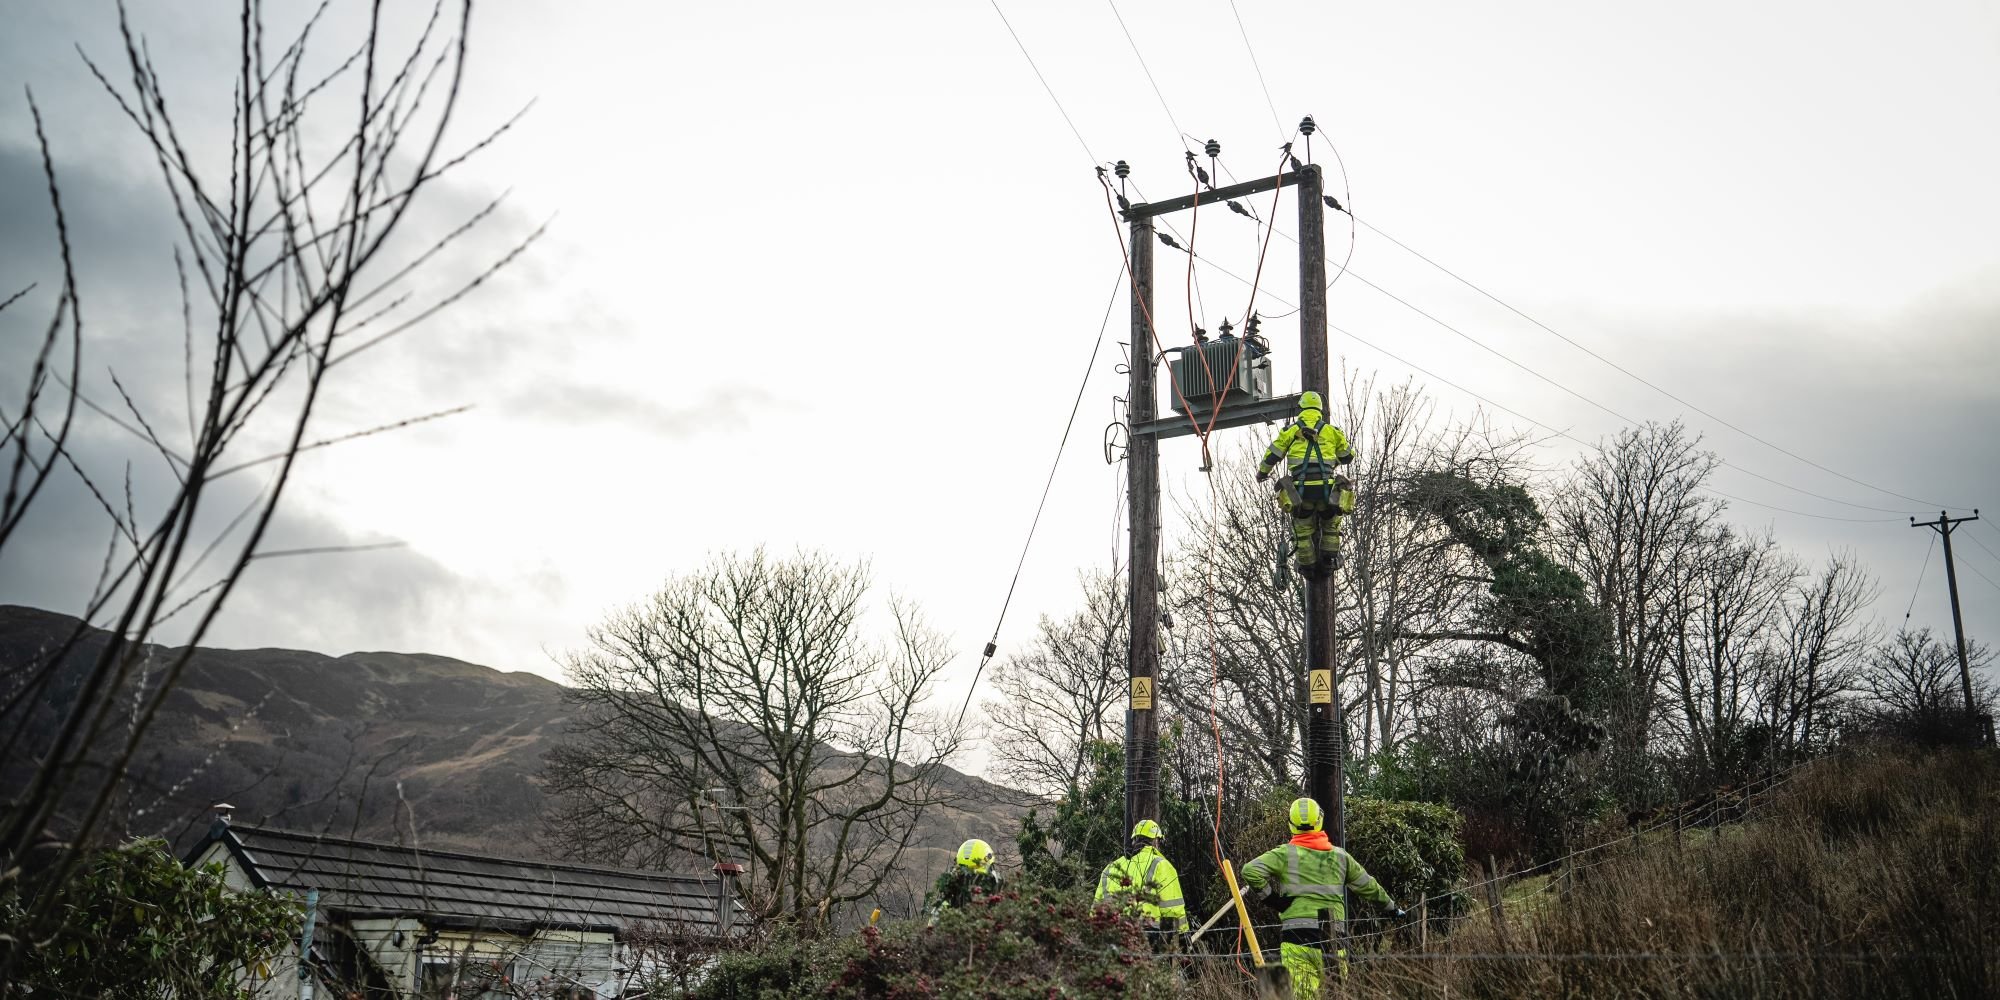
1149	73
1551	428
992	644
1733	465
1586	399
1989	553
1045	81
1648	383
1245	32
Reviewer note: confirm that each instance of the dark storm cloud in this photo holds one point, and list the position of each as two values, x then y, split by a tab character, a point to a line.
122	232
1903	399
391	595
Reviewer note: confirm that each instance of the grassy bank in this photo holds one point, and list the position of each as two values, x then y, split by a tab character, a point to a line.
1871	875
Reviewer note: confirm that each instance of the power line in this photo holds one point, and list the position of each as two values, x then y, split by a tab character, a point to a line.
1149	73
1579	441
1628	420
1245	32
1345	270
1928	549
1643	380
1045	81
992	644
1976	572
1989	553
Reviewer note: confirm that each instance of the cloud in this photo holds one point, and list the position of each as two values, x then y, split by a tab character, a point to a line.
716	408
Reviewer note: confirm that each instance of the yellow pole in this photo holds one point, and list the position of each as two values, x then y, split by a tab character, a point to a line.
1243	913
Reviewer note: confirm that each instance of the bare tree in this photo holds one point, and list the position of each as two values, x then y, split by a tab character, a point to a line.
1402	599
1239	619
742	713
1912	681
1815	661
1731	599
1065	692
1408	588
1631	519
289	266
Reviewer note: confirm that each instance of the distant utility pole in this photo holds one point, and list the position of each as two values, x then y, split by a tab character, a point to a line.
1323	731
1945	526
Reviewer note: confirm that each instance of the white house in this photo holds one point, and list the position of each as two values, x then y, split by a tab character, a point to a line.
391	921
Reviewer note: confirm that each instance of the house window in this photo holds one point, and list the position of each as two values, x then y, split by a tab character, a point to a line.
452	978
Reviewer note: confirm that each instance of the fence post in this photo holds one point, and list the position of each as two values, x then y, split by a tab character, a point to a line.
1493	903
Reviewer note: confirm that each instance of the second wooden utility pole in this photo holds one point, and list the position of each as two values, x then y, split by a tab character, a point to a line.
1945	526
1324	733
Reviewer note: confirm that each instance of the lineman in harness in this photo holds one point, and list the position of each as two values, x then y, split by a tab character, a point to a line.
1313	493
1310	875
1149	883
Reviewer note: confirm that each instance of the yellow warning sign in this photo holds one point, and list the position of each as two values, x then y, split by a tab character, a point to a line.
1320	688
1142	693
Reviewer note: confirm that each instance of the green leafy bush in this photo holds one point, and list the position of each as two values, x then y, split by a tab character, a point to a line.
136	924
1413	848
781	966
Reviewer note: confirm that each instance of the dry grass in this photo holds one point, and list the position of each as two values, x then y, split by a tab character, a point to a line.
1864	876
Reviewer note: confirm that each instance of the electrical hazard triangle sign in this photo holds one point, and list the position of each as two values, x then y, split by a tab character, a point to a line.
1319	690
1142	693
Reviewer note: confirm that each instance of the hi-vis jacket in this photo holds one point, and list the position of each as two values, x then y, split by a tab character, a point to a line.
1310	873
1150	879
1310	446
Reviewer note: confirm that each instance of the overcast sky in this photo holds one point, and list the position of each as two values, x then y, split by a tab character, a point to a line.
827	274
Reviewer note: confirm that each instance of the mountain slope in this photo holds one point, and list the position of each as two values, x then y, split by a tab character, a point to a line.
374	745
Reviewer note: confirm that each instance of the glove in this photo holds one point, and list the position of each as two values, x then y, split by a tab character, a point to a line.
1401	914
1263	474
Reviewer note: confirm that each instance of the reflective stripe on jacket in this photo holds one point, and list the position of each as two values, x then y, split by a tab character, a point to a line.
1311	881
1310	447
1150	879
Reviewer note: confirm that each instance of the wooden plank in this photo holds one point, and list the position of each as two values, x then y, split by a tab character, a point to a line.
1217	196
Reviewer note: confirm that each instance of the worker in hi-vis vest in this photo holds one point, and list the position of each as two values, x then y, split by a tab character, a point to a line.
1312	492
1309	875
971	875
1148	881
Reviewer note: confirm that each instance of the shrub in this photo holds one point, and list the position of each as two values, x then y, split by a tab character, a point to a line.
139	925
780	966
1412	848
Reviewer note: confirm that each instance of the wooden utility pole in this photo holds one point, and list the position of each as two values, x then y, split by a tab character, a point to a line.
1324	741
1945	525
1142	486
1324	734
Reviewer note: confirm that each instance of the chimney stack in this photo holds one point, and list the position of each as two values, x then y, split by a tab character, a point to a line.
222	811
725	896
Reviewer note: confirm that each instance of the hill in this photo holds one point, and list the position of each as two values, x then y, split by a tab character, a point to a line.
371	745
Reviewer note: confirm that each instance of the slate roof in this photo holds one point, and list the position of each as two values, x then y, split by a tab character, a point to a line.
361	879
